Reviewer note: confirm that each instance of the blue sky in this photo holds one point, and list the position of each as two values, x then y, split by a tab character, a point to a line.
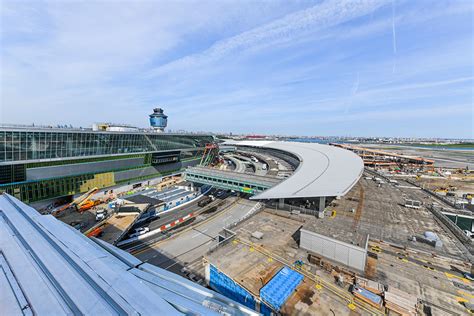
349	68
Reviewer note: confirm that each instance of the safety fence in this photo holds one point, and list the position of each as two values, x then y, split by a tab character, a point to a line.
437	211
293	209
227	234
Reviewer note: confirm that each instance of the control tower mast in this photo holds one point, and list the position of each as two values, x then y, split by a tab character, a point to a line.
158	120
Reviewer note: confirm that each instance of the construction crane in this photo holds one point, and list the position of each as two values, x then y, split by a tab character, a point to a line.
211	151
77	202
88	204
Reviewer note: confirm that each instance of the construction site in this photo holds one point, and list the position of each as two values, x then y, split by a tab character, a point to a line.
388	246
277	229
406	274
382	248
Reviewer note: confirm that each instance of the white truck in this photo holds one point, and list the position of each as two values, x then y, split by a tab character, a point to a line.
140	231
100	215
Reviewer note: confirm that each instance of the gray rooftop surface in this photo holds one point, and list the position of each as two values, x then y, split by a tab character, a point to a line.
323	170
338	228
48	268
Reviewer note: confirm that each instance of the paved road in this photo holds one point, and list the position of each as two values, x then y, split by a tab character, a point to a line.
183	211
239	165
193	243
257	165
276	166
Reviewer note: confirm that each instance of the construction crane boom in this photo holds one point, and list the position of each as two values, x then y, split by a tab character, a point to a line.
77	202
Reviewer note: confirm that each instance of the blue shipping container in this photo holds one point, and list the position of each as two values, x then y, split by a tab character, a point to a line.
280	287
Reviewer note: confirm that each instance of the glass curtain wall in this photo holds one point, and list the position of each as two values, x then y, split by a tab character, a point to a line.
34	145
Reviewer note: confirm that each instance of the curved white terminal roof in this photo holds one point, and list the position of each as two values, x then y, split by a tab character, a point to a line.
323	170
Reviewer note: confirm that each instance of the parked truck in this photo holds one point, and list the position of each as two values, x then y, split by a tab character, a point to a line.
100	214
206	200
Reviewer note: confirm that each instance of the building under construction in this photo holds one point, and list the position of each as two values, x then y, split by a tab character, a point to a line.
384	159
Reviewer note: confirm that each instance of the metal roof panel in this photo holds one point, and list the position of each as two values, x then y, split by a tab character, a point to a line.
61	271
323	170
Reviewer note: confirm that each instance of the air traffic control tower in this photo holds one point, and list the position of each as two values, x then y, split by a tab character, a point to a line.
158	120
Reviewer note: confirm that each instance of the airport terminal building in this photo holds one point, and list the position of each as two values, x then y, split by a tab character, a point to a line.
38	163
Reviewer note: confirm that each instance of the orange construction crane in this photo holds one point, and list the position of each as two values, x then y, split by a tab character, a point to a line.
96	232
77	202
88	204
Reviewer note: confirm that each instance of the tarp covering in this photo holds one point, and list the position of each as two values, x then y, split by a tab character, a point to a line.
280	287
368	295
226	286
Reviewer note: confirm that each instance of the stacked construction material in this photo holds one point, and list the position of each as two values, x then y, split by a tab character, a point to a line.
370	285
400	302
367	296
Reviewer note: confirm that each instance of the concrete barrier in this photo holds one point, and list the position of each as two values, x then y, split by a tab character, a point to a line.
350	255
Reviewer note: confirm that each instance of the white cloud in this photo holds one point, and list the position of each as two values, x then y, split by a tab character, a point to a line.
230	64
316	18
57	55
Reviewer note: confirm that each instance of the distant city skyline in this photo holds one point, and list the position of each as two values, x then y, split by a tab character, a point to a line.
362	68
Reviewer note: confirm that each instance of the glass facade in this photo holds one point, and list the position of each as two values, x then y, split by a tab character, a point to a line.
21	145
25	151
32	191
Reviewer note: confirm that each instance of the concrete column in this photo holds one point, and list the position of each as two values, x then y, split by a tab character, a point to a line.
281	203
322	203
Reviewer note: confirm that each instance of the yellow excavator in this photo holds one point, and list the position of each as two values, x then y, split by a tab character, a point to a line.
446	189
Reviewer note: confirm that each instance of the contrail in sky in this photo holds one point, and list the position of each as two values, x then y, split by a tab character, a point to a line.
354	90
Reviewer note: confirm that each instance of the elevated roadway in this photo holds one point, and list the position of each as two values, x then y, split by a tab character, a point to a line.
276	166
230	180
257	166
239	165
272	166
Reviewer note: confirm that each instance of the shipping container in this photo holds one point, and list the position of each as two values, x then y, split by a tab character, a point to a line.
280	287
